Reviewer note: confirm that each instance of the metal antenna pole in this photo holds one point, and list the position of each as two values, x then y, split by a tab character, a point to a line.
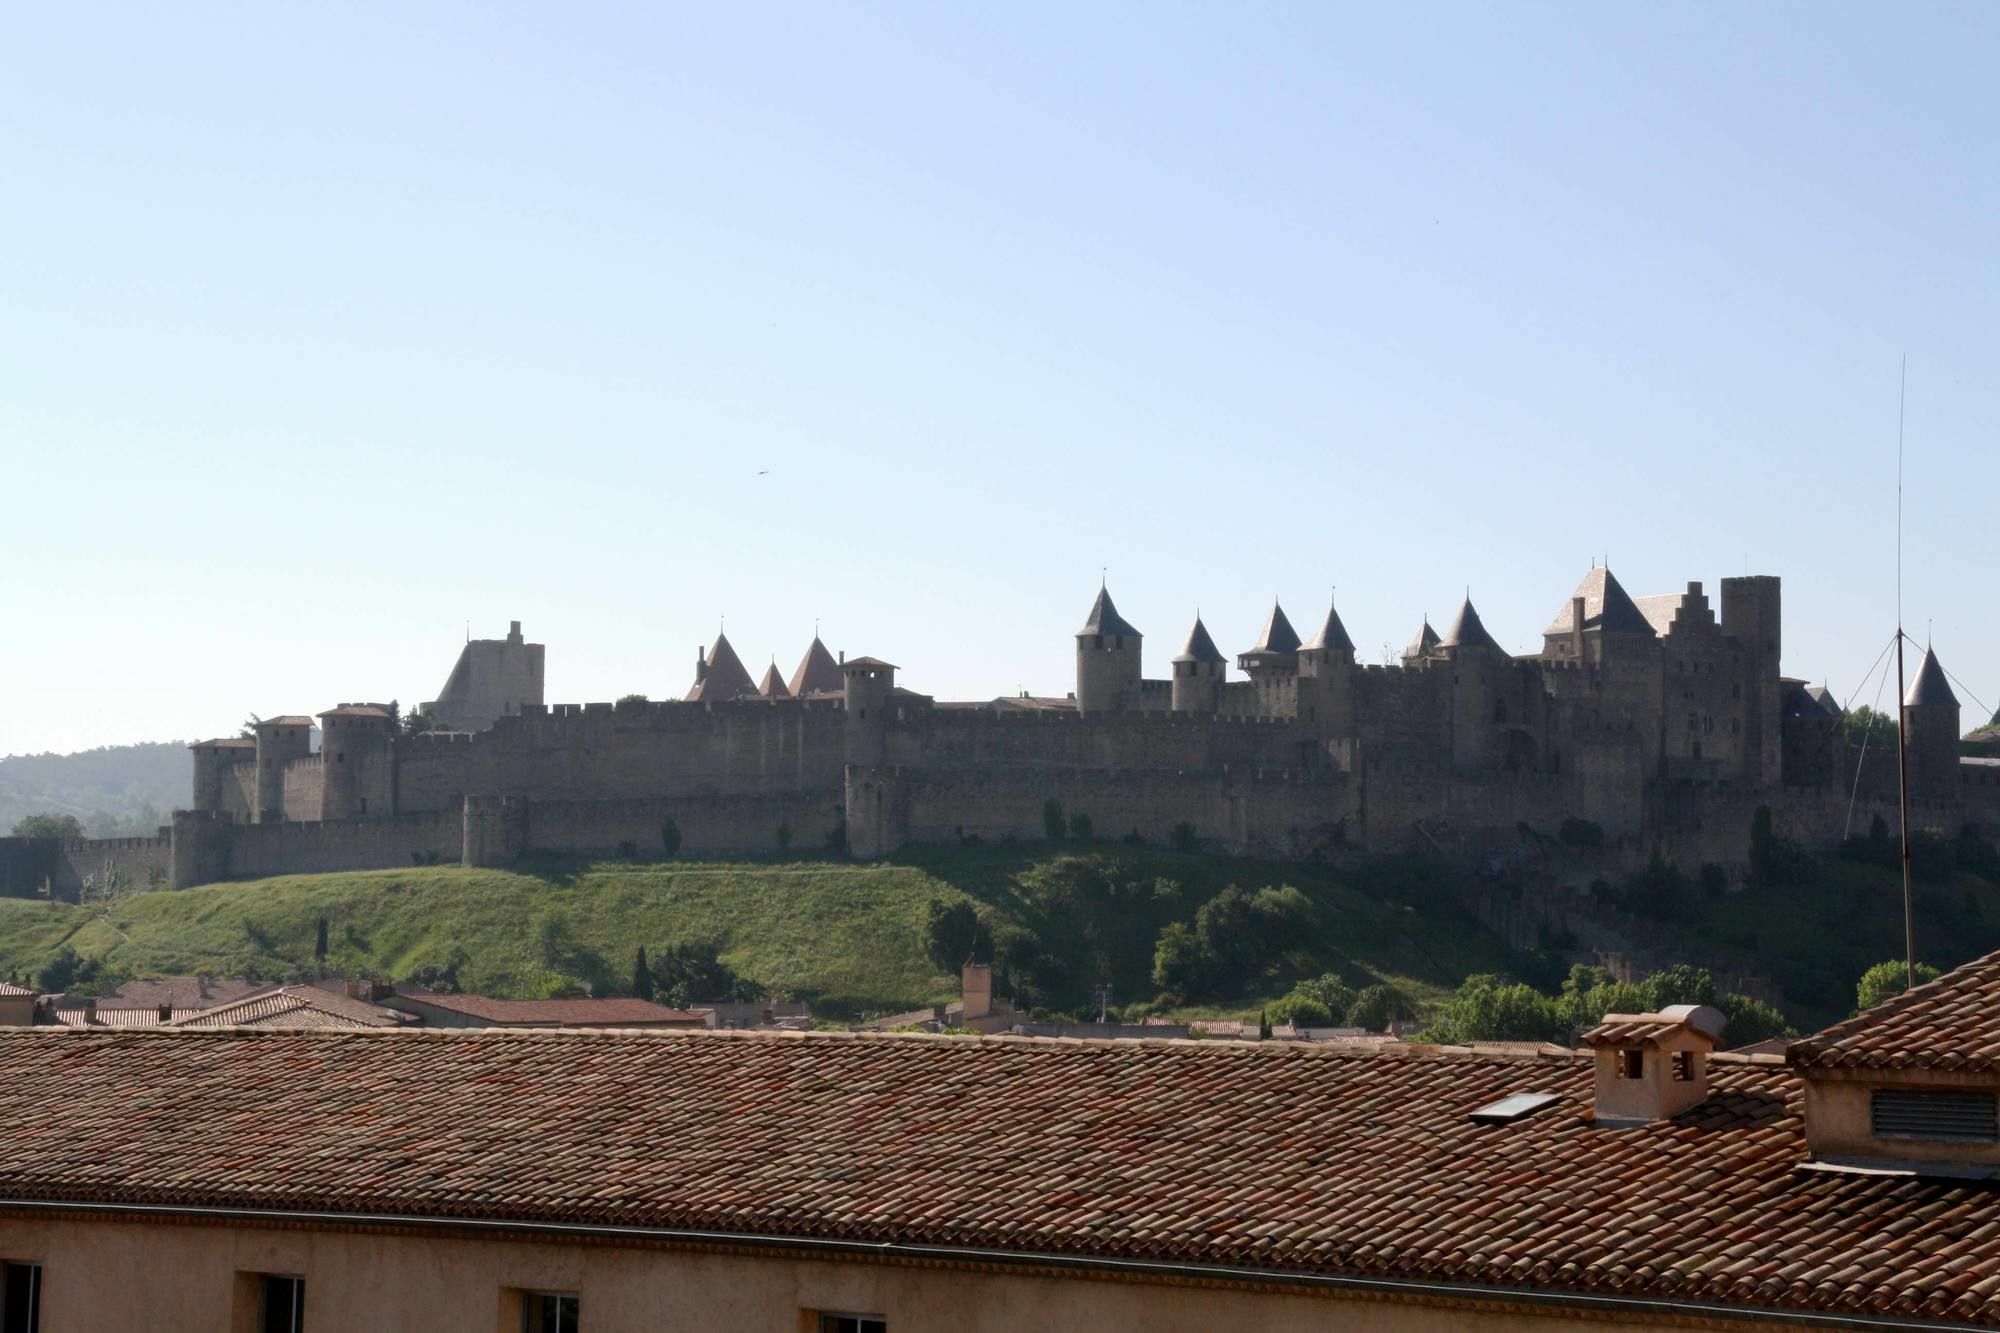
1902	712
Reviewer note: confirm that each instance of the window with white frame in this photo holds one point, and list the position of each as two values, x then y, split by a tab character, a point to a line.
830	1322
20	1298
548	1312
281	1303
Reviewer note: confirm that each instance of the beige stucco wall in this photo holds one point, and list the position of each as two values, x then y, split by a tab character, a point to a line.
108	1276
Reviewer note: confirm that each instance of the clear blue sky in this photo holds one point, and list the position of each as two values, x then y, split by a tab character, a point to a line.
326	330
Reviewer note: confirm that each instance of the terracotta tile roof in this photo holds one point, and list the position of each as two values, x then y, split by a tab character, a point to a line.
558	1013
1273	1157
817	673
295	1007
115	1018
1951	1023
1630	1030
10	989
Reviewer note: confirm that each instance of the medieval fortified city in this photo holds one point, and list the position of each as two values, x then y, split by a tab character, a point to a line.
1663	720
916	861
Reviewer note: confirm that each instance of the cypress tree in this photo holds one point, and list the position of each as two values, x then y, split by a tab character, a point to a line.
642	976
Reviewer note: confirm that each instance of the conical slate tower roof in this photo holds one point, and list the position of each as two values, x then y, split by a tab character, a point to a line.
1606	606
1425	640
1104	618
817	673
1278	637
1467	631
772	686
1199	646
725	679
1930	689
1332	636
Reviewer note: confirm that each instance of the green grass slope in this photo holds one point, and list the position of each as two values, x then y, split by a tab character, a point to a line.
850	938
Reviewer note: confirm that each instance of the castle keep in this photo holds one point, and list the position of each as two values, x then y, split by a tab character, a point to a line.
1663	720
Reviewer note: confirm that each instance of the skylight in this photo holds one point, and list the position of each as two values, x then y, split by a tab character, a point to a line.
1513	1107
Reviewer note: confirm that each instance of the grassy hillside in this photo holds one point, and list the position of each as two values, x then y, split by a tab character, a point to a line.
850	938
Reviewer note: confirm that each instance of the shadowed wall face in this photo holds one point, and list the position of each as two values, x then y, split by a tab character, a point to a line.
493	678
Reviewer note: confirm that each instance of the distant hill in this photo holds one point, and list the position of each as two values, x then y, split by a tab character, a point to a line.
118	791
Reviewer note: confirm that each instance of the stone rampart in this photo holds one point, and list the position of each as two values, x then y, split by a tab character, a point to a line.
1273	813
259	850
602	752
124	863
749	825
977	740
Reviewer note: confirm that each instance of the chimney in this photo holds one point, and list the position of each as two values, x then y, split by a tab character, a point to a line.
166	1012
843	657
1576	628
1652	1067
700	665
513	631
90	1012
975	988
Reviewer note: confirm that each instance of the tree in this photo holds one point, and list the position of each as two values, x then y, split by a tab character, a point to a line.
784	837
319	943
670	837
1761	839
694	973
1053	823
1183	837
1079	826
1885	981
1865	724
1580	833
1378	1006
1490	1008
629	702
420	720
642	976
1180	968
395	718
1752	1020
66	827
954	935
1679	984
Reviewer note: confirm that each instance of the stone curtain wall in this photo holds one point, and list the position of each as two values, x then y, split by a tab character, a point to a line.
597	752
137	863
974	740
260	850
748	825
1272	814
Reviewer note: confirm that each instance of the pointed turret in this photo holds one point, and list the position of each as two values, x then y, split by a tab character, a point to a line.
1276	648
721	676
1422	645
772	686
817	673
1467	632
1104	617
1199	646
1332	635
1198	671
1930	689
1107	659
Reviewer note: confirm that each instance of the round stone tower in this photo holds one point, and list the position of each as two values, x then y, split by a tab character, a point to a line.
1930	733
1107	660
868	682
354	745
1199	668
212	762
